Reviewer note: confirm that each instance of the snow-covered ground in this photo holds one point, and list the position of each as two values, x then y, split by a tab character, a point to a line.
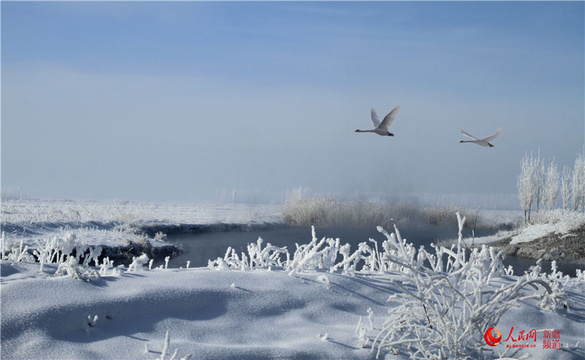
212	314
111	223
557	222
552	222
305	309
208	314
27	211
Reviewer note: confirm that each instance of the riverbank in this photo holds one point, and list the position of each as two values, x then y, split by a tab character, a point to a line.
127	229
553	235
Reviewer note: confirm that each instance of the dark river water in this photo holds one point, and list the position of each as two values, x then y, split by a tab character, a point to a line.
198	248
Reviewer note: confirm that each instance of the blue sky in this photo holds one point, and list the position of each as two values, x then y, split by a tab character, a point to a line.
181	100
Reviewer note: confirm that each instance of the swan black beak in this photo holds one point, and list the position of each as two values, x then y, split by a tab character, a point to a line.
390	134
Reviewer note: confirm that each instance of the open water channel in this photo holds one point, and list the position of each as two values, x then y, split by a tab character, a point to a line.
198	248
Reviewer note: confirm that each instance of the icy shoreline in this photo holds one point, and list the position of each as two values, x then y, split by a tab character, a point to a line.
554	235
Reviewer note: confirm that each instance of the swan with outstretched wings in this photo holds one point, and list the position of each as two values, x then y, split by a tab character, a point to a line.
484	141
381	128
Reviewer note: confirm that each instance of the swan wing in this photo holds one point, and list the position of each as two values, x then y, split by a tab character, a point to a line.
375	118
494	136
468	135
389	118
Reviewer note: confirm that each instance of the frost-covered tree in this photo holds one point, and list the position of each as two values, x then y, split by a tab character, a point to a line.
539	184
538	180
566	187
578	184
527	186
552	182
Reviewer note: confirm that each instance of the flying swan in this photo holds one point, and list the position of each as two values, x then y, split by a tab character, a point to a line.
381	128
481	142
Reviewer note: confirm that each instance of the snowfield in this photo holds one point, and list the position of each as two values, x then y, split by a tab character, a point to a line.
114	223
208	314
212	314
322	300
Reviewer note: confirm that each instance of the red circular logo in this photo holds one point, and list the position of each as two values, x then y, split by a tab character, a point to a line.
490	339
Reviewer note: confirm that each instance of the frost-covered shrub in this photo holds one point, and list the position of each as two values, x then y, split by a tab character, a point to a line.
317	254
556	280
446	305
257	258
93	256
580	275
138	263
59	249
325	254
53	250
107	266
18	253
267	256
81	272
325	211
